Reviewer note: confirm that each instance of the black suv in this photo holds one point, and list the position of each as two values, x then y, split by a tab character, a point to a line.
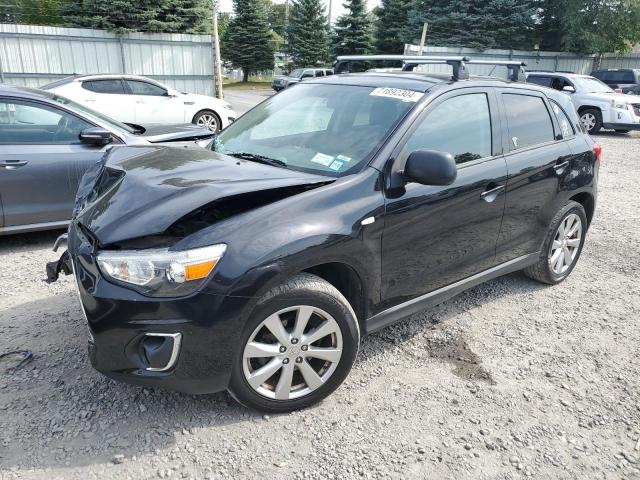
623	78
325	213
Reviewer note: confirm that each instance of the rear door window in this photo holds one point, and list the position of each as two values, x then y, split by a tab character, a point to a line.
528	119
460	126
544	81
110	86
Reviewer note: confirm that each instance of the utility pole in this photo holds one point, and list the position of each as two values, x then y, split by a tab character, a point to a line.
286	36
217	64
424	38
329	16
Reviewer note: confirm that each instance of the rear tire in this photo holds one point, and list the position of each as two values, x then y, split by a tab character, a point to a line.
297	347
562	246
591	119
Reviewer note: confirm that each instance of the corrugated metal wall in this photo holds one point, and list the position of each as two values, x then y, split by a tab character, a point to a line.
33	56
536	60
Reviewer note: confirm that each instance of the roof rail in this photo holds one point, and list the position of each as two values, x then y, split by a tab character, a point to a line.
516	72
458	63
409	62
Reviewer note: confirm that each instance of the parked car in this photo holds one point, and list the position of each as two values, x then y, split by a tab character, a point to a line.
48	141
280	83
623	78
327	212
135	99
633	90
597	104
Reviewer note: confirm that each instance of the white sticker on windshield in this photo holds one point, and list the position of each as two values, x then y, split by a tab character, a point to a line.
322	159
343	158
398	94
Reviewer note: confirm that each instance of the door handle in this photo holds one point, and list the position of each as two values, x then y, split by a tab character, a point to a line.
491	193
12	164
561	165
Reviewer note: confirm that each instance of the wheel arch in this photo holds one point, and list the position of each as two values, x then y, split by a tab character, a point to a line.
203	110
588	203
582	108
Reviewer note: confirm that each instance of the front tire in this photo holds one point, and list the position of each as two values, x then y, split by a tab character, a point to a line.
562	246
207	119
591	119
297	347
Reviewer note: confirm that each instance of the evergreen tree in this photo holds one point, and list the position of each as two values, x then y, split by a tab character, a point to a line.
247	40
31	12
390	20
477	24
307	33
352	30
179	16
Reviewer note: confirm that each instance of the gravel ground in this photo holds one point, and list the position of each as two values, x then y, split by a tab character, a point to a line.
511	379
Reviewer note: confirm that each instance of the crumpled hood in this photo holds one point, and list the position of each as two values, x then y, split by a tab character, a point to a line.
140	191
175	133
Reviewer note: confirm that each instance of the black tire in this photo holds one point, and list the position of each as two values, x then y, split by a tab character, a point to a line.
213	125
623	131
543	270
597	119
302	290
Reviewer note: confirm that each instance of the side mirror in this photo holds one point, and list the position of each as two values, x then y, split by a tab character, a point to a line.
430	167
569	89
96	136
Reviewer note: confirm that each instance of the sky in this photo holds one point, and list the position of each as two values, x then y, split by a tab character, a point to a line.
226	6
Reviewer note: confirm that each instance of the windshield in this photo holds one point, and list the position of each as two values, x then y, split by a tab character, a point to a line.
297	73
318	128
591	85
81	108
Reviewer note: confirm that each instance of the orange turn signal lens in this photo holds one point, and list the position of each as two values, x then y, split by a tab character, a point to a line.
196	271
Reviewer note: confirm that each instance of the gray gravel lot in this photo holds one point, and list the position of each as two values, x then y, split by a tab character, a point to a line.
509	380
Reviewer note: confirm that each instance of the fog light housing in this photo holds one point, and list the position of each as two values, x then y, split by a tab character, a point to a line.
160	350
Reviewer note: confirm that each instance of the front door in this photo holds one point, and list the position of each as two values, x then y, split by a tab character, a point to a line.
436	235
41	161
154	105
107	96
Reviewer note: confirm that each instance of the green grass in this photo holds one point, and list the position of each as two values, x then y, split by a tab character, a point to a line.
246	86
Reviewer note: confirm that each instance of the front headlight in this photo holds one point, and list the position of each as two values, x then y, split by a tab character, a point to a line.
161	273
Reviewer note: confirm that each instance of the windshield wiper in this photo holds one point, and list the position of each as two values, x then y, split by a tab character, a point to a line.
254	157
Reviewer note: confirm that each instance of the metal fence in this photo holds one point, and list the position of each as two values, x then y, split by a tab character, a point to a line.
536	60
33	56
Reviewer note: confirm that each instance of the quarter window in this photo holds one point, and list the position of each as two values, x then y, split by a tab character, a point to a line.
113	86
144	88
566	128
529	121
29	123
460	126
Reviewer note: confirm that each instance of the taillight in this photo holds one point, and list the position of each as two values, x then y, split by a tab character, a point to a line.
597	149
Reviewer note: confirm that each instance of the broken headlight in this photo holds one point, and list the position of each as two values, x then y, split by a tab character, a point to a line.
160	272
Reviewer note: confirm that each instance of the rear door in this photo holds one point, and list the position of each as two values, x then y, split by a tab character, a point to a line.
154	105
107	96
41	161
538	161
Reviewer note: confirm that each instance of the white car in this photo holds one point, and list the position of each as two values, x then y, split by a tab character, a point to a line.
596	103
142	101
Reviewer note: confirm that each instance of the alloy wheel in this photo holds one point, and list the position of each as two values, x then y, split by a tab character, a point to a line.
566	244
208	121
588	120
292	353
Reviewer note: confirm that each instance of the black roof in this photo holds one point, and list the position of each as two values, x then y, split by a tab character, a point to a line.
420	82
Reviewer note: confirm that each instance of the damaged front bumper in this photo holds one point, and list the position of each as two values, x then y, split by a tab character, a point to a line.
185	344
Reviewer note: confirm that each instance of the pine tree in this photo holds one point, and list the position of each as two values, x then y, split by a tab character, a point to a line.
247	40
352	30
307	33
390	20
476	24
179	16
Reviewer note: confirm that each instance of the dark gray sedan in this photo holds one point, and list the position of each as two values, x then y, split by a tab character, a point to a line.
46	144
